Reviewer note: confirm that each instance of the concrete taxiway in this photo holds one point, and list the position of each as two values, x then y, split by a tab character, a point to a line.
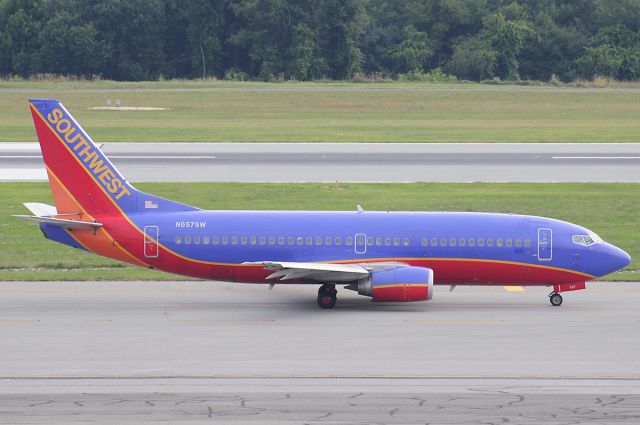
202	352
352	162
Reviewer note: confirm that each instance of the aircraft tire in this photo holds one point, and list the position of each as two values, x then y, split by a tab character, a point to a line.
555	299
327	296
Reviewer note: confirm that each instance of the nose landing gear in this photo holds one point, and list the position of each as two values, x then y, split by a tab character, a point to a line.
327	296
555	299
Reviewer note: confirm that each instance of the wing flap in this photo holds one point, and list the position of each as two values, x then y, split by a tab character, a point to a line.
321	272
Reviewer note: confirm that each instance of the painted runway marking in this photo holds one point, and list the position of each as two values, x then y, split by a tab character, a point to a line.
595	157
224	321
456	321
19	321
121	157
514	288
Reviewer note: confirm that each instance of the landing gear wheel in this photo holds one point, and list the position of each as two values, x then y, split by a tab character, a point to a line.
327	296
555	299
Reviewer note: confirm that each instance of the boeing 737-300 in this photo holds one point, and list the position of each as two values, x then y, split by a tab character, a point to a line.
388	256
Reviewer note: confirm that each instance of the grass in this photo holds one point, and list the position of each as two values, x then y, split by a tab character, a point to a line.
609	209
210	111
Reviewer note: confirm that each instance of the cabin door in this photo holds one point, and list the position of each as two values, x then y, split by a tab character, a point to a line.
545	244
360	243
151	249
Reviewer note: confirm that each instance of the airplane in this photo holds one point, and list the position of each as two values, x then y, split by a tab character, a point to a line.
387	256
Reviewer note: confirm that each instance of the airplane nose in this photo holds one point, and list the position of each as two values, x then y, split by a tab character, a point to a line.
619	258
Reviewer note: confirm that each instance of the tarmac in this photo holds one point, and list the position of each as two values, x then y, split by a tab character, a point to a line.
351	162
212	352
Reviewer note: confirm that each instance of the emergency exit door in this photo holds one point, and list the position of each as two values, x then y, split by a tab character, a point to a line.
151	249
545	244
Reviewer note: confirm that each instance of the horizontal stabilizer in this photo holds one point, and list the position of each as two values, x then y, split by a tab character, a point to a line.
41	210
61	222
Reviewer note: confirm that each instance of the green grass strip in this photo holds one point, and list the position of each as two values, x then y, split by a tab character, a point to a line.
331	112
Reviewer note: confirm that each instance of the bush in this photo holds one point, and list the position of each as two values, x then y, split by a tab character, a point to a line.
434	76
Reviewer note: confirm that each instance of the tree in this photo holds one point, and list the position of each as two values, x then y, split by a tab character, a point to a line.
506	31
20	22
410	54
615	53
131	32
473	58
69	45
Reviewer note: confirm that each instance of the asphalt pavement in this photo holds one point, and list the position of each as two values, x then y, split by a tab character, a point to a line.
211	352
351	162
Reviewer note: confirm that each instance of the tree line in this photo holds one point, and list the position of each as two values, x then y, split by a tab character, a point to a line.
321	39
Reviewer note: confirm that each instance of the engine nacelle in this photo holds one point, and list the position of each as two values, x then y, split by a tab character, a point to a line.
401	284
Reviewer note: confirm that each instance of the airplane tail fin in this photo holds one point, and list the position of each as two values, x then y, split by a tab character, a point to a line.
82	178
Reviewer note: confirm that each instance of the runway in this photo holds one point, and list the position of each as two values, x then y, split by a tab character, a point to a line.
203	352
351	162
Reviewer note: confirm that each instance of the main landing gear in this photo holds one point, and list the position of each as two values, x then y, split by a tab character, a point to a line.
555	299
327	296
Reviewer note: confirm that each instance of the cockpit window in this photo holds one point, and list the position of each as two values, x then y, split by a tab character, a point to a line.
586	240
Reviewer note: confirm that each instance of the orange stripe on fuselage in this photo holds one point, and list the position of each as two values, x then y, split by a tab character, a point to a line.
98	241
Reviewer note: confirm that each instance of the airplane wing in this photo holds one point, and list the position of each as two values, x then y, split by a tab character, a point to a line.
43	214
322	272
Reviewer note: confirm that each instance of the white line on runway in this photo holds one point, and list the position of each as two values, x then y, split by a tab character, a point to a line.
121	157
595	157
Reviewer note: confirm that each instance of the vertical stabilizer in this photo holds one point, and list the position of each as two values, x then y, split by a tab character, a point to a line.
82	178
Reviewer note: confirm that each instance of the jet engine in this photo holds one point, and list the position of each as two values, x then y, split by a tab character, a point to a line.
400	284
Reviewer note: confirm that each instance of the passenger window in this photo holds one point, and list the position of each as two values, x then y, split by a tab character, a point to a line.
499	242
252	241
338	240
328	240
509	243
434	241
243	240
187	239
234	240
290	240
225	240
369	241
280	240
443	242
178	240
349	241
318	240
205	240
461	242
396	241
406	241
452	241
387	241
518	243
272	240
300	240
424	241
490	242
216	240
480	242
472	242
196	240
262	240
309	240
378	241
